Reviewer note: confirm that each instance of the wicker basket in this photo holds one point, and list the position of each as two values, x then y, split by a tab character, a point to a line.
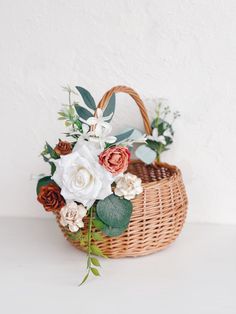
158	213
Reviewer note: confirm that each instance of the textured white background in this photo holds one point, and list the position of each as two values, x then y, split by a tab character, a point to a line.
181	50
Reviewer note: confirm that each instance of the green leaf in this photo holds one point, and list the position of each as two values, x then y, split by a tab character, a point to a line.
153	144
95	271
123	136
146	154
75	236
98	224
42	182
110	108
82	112
113	232
53	167
85	278
114	211
96	251
95	261
97	236
51	152
87	97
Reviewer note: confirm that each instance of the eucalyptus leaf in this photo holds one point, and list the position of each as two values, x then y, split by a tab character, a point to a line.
82	112
113	232
42	182
110	108
87	97
123	136
146	154
114	211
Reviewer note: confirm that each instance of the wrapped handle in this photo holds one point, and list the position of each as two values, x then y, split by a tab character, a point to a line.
124	89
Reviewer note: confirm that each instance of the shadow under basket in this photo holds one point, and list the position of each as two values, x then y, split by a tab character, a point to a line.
158	213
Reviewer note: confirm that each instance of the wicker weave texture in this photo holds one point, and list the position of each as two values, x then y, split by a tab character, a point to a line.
158	213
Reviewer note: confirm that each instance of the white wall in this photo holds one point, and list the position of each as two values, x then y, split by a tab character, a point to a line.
181	50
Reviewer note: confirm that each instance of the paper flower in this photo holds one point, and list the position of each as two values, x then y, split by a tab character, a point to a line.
128	186
100	123
115	159
50	197
63	148
72	216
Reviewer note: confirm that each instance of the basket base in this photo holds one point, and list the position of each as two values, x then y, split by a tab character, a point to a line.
157	218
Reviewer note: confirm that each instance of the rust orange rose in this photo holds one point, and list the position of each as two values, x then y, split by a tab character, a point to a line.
115	159
63	148
50	197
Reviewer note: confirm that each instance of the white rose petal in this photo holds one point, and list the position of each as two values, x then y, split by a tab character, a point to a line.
128	186
81	177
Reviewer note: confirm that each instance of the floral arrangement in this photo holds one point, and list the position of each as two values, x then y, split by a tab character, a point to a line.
89	184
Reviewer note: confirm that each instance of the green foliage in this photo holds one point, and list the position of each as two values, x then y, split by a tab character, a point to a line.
97	236
163	138
123	136
87	97
82	112
114	211
98	223
96	251
95	261
92	249
110	108
50	151
113	231
95	271
48	154
78	236
42	182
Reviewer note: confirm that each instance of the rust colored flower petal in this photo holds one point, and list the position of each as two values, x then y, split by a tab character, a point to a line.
63	148
50	197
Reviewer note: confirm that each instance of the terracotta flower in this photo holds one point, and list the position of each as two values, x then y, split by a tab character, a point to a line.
115	159
49	196
63	148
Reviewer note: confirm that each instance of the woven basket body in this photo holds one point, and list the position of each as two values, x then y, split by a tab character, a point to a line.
158	213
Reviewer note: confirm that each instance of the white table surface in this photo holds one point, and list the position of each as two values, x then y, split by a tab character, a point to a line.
40	272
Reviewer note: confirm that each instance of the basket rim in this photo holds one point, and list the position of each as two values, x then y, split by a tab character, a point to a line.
176	173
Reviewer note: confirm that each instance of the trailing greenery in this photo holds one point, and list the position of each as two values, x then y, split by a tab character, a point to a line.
92	262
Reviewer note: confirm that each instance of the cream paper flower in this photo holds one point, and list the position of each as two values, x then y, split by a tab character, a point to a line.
72	216
128	186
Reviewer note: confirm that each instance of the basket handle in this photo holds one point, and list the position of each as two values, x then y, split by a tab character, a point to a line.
124	89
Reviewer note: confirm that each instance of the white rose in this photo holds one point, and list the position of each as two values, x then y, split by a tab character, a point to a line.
81	177
128	186
72	216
